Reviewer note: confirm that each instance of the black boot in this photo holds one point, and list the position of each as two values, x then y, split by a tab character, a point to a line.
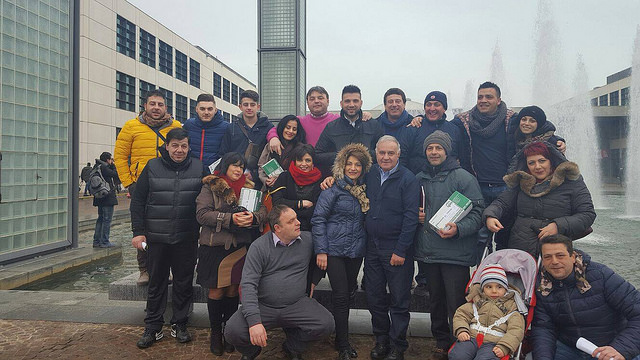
230	307
215	308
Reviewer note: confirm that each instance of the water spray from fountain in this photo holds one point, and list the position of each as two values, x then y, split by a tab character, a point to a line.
469	95
548	86
573	117
496	72
632	167
577	125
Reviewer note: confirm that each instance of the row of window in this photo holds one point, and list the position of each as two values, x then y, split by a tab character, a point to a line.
616	98
126	98
126	44
225	89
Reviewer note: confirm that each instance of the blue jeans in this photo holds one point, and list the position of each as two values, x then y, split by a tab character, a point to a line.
491	192
565	352
103	225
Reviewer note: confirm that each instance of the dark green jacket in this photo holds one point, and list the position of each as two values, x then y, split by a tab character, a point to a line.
438	184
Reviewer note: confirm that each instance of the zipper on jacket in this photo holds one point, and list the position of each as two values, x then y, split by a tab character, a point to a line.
566	295
202	145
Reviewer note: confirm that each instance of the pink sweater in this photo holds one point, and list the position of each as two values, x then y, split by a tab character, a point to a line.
312	125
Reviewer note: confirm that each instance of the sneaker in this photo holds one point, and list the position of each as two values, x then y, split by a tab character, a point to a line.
180	332
149	337
144	278
107	245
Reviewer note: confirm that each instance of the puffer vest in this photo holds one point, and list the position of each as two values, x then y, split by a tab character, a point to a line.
171	205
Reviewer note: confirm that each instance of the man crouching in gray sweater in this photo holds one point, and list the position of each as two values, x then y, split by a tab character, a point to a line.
274	280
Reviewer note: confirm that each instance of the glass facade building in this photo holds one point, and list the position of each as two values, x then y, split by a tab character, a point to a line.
36	123
282	59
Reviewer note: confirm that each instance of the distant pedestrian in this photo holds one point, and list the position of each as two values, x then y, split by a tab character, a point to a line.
84	176
105	205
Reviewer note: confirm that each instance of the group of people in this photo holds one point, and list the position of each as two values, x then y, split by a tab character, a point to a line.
357	189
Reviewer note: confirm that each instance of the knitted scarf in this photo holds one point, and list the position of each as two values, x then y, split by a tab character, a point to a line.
236	186
487	125
391	128
146	119
358	192
579	270
304	178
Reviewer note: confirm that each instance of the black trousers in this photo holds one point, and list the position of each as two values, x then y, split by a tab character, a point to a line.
181	258
302	322
343	275
389	314
446	285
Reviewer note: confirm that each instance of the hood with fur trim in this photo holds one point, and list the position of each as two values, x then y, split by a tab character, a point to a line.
221	188
567	170
354	149
519	160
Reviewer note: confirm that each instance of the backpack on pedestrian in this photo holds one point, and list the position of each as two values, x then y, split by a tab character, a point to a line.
98	186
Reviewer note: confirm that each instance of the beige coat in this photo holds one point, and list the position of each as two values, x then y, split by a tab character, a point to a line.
488	312
213	212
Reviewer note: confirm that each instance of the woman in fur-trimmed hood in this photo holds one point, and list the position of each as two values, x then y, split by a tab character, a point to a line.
339	238
227	230
548	195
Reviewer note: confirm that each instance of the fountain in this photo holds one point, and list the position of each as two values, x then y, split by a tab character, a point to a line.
496	72
577	125
574	117
632	168
547	70
469	95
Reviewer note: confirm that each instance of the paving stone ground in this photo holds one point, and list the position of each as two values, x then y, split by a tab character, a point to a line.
24	339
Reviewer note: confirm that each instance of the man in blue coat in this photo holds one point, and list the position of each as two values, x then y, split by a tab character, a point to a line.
395	121
577	298
391	222
206	130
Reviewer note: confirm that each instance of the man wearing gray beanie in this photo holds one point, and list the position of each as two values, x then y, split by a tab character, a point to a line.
445	255
438	137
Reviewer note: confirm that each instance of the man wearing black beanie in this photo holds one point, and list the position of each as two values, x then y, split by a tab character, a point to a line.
435	105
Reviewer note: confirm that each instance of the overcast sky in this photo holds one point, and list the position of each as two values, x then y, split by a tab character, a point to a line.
417	45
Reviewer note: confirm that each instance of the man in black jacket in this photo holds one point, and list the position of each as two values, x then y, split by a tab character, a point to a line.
248	134
163	220
105	205
348	128
84	176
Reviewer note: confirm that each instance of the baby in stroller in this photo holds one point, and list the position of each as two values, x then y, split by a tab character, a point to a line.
490	325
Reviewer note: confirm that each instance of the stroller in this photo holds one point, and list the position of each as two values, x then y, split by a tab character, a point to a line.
521	269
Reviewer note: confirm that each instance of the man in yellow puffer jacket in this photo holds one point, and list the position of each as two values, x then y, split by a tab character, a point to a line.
137	143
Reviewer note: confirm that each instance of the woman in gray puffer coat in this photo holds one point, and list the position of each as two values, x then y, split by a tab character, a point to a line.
548	196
